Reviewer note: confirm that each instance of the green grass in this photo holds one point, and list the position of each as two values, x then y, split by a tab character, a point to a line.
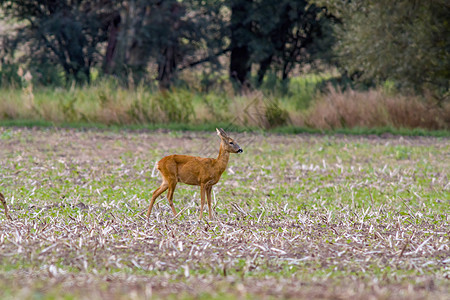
297	216
383	131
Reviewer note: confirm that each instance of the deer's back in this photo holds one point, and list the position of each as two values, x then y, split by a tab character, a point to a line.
188	169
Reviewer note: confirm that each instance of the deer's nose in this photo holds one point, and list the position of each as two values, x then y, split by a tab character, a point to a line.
240	150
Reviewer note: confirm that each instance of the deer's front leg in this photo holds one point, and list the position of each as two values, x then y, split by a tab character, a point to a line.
202	196
208	196
156	193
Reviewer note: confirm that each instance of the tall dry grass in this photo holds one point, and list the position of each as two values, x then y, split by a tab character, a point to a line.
108	104
376	108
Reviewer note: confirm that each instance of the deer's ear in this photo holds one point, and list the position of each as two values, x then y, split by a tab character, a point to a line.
221	133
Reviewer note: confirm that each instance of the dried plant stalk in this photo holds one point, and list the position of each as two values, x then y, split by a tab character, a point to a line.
2	199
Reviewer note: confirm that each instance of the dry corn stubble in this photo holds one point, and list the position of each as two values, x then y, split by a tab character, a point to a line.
297	217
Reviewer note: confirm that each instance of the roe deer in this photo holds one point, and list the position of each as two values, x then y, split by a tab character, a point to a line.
193	170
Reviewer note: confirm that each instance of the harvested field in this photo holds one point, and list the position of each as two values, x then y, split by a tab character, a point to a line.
297	216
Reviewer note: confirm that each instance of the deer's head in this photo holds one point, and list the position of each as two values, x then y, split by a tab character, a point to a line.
228	143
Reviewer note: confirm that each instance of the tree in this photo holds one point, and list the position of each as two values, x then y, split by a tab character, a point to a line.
132	37
66	32
403	41
171	34
240	35
297	34
277	35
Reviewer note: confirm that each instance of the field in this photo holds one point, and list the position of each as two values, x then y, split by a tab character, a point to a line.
296	216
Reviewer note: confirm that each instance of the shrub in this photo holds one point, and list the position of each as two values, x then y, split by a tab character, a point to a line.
276	116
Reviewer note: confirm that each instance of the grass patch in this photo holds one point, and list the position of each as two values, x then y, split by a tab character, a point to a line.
383	131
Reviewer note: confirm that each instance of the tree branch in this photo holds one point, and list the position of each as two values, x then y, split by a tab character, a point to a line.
203	60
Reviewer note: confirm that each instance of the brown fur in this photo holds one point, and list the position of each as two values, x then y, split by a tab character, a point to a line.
193	170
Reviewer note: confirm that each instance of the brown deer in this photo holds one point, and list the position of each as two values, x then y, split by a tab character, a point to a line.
193	170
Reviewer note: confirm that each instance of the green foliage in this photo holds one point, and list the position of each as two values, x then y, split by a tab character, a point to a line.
155	40
173	107
403	41
276	116
169	34
304	89
9	76
47	73
276	36
217	106
67	106
60	32
177	105
288	34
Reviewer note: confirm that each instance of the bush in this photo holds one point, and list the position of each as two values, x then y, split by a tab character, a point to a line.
9	75
276	116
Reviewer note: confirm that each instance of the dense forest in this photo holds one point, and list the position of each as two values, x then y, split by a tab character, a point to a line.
368	41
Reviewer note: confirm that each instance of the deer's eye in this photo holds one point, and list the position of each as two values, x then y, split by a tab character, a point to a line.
231	143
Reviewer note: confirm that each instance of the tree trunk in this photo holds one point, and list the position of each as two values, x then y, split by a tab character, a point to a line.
263	67
240	64
113	33
166	68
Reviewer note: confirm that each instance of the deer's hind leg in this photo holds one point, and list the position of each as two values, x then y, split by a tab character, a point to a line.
172	184
202	197
163	187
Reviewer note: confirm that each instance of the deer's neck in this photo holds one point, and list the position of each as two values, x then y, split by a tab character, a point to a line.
222	159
